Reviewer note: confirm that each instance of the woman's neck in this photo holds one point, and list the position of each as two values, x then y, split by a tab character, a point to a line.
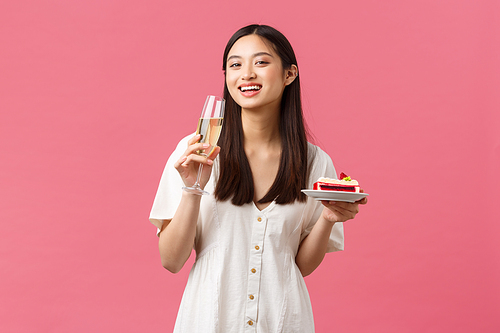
260	128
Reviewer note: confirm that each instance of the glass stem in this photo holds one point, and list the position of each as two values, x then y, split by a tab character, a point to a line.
198	176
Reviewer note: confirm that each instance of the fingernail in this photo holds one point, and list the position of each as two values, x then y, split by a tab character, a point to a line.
206	145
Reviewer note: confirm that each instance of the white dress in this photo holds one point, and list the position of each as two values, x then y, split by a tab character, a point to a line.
245	278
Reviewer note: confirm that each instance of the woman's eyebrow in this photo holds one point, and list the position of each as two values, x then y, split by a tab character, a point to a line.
233	57
262	53
253	55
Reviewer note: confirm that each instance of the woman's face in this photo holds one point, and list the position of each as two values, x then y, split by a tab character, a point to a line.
255	77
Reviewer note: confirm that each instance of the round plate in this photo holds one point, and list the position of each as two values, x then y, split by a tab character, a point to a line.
335	195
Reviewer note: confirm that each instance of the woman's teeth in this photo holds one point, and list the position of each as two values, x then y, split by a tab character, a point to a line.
250	88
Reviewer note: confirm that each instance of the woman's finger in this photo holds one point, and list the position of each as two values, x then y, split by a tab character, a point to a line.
179	162
362	201
195	148
194	139
213	154
194	158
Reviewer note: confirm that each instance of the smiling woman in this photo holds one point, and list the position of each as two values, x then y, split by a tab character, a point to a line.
253	59
258	235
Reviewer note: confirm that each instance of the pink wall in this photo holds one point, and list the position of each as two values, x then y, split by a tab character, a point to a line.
95	94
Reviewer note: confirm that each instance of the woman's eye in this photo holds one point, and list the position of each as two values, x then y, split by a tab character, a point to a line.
261	62
234	65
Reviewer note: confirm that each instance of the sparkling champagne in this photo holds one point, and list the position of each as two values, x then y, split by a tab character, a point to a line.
209	129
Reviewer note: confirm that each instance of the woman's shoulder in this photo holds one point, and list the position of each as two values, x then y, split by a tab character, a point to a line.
321	164
317	155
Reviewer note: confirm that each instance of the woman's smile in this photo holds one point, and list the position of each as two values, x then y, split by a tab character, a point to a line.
250	89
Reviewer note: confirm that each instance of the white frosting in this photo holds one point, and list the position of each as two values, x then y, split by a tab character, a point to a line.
339	181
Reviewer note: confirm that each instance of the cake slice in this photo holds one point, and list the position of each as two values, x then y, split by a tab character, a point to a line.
344	184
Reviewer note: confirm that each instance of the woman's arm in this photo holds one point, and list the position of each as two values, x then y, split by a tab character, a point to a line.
313	248
177	236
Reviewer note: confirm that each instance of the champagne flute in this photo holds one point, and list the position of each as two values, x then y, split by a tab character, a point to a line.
209	127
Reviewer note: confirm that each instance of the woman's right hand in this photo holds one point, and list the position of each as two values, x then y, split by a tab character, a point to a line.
188	164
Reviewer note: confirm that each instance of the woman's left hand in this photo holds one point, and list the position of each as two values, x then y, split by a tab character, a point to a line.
338	211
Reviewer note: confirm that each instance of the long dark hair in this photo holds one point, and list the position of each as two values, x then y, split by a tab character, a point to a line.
235	180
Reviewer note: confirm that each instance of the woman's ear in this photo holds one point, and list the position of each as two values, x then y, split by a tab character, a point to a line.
291	74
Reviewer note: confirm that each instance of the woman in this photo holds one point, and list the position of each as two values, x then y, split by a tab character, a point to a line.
257	235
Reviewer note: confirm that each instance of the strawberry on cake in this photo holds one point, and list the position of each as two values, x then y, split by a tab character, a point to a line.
344	184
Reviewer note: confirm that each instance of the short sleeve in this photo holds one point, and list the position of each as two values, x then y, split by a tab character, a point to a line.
322	166
168	195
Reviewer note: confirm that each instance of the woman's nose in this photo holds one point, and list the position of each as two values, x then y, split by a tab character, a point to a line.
248	73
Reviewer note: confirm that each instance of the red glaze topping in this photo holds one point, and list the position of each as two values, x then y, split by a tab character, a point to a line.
333	187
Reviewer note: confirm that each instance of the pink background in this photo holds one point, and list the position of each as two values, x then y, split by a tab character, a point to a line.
94	95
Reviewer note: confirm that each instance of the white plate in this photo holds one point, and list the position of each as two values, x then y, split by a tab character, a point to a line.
335	195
